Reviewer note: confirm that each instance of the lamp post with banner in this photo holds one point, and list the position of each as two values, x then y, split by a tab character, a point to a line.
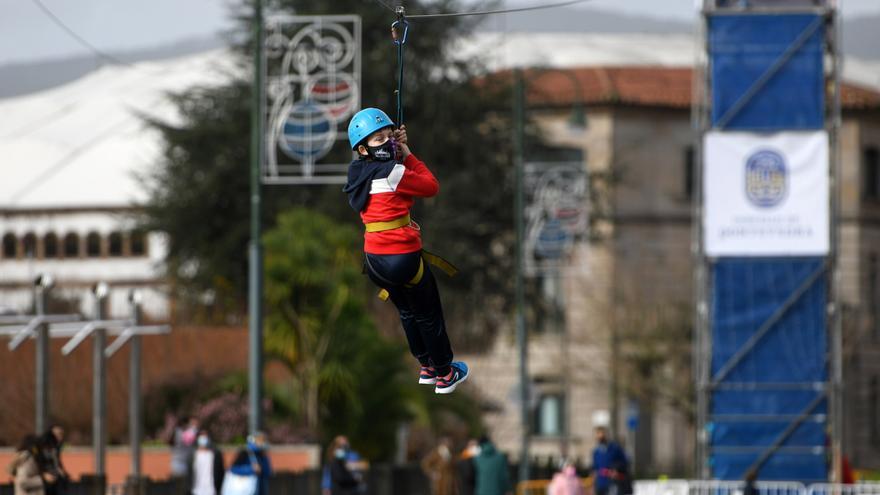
552	216
306	85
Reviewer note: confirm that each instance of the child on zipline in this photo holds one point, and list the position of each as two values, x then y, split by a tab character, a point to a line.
382	190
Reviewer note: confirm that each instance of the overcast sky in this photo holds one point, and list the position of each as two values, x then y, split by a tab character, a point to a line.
27	34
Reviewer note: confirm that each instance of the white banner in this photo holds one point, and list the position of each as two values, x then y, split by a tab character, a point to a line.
766	194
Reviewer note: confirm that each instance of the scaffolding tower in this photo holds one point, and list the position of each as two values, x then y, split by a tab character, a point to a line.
746	421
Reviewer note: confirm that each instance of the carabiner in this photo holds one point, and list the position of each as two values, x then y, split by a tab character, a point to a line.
401	20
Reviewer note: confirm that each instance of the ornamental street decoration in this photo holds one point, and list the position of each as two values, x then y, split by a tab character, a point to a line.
556	217
312	87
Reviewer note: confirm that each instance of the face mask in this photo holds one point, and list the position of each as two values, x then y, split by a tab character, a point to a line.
444	452
475	450
340	453
383	152
203	441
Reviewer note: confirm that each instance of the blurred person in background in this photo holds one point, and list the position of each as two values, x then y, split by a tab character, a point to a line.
465	476
341	477
253	461
182	443
492	475
610	466
54	475
439	467
566	481
25	467
206	468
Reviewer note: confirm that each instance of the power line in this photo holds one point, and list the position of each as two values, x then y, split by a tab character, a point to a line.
73	34
500	11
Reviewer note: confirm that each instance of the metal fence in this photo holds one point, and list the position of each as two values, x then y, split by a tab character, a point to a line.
716	487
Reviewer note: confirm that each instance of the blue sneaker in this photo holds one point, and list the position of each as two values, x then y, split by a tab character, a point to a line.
447	384
427	376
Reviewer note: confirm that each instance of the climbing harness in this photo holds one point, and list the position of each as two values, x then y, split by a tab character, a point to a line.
399	39
404	221
390	224
443	265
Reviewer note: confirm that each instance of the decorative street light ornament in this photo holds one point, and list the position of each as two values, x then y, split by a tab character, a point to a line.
556	216
312	88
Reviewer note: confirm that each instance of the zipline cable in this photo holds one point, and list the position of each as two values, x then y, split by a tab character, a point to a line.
95	50
491	12
402	25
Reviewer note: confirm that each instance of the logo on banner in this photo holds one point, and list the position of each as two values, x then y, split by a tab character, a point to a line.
766	178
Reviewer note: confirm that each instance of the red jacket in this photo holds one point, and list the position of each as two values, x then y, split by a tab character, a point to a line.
383	191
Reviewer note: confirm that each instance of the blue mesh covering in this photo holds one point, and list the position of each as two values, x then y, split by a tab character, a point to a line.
782	376
743	47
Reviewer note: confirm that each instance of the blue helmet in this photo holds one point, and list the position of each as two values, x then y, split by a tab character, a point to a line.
366	122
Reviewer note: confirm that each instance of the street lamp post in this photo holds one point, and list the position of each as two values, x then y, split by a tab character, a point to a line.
255	254
521	335
519	111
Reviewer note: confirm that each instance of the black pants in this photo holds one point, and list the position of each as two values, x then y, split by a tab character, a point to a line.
421	313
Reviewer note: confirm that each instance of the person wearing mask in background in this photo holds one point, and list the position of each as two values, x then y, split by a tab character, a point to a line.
54	475
610	466
492	475
182	443
25	468
465	476
439	467
253	461
566	481
342	480
206	468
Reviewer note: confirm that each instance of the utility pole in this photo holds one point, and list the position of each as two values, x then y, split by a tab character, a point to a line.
42	285
135	408
99	382
255	254
521	335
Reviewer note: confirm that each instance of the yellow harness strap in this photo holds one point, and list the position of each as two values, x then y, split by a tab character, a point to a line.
389	225
446	267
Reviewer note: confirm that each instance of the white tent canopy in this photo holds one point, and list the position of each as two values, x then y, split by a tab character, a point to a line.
81	144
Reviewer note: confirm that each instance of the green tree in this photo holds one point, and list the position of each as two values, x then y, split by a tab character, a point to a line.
199	192
316	301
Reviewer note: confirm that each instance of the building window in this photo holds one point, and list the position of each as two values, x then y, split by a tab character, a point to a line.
549	415
138	243
873	294
50	246
115	247
874	410
10	246
871	174
689	165
93	245
30	245
71	246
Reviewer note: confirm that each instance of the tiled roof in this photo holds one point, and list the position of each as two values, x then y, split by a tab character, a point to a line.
653	86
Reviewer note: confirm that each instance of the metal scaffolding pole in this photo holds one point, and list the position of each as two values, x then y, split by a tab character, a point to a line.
833	123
